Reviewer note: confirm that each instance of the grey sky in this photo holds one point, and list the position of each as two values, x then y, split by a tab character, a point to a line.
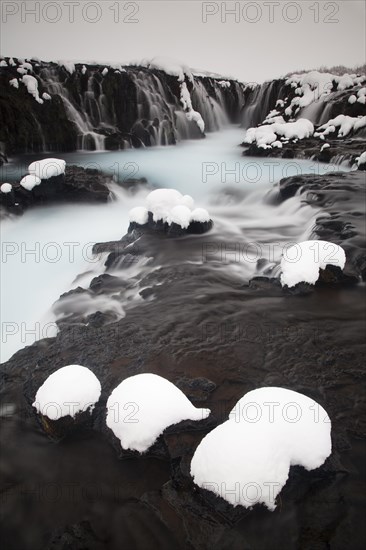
261	44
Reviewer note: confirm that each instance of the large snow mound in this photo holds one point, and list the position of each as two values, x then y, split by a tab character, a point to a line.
302	262
67	391
267	134
47	168
247	459
170	206
143	406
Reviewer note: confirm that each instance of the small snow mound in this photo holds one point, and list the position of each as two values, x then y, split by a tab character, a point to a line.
200	215
3	63
14	82
47	168
105	71
181	215
68	391
6	188
29	182
46	96
139	215
302	262
325	146
143	406
247	459
361	160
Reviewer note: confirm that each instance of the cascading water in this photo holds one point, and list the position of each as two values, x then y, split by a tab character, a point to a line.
88	138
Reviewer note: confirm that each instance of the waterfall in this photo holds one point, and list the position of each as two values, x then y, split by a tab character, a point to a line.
131	107
88	138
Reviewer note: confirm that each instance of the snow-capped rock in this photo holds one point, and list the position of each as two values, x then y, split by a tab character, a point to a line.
246	460
143	406
30	181
6	188
302	262
47	168
68	391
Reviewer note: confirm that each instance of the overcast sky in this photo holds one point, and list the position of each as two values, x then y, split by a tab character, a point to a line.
261	40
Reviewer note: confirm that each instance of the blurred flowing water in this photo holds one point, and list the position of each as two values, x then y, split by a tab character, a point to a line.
49	247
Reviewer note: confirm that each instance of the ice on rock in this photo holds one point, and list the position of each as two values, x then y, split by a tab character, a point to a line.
302	262
247	459
47	168
68	391
143	406
46	96
30	181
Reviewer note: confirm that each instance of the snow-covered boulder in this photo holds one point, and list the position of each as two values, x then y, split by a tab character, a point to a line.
302	262
167	209
47	168
143	406
30	181
68	391
247	459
